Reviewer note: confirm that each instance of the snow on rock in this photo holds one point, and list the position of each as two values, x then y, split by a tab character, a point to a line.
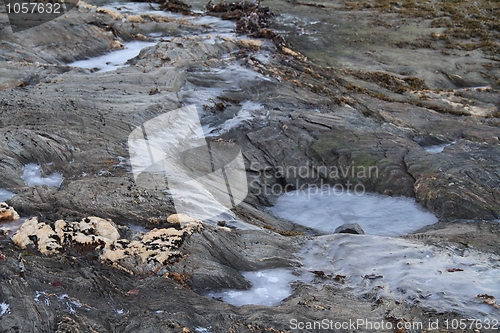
94	234
7	213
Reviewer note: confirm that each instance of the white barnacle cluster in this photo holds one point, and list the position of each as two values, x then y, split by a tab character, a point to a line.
91	232
7	213
154	249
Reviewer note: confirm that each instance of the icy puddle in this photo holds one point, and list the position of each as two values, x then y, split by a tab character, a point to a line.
138	8
432	277
370	267
269	287
116	59
4	309
436	149
325	210
32	176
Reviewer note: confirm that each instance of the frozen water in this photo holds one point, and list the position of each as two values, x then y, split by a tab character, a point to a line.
436	149
137	8
4	309
200	329
5	195
406	271
14	225
115	59
377	214
221	26
269	287
138	228
32	176
245	114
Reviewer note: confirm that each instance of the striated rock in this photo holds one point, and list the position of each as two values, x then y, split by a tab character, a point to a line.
115	15
135	18
7	213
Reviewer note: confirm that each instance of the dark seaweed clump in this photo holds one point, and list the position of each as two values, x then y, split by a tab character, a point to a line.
251	18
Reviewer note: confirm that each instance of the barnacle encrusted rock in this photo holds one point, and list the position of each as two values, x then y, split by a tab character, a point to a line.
7	213
46	237
156	248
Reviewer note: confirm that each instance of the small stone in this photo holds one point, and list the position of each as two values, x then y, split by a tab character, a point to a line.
350	228
116	44
7	213
251	43
180	219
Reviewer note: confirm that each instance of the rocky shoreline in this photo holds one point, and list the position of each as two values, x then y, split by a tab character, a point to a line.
376	92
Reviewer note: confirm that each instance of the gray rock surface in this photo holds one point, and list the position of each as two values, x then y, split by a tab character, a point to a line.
325	111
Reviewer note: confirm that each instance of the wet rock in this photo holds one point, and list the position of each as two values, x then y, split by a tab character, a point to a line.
176	6
349	228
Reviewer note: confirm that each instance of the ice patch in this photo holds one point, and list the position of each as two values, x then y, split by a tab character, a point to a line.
116	59
46	299
269	287
5	195
400	269
138	8
221	26
436	149
138	228
32	176
377	214
245	114
4	309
